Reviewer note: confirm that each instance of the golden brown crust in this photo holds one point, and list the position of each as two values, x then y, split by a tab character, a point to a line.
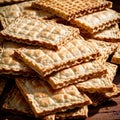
71	9
45	61
100	84
97	21
73	113
79	73
111	34
39	32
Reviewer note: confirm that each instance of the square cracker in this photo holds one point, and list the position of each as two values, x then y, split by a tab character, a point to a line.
69	9
15	103
44	100
116	56
2	85
98	98
111	34
97	21
44	61
10	12
39	32
105	48
9	64
100	84
78	73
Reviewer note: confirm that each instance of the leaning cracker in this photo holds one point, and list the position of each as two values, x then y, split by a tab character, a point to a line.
73	113
79	73
71	9
9	64
44	61
98	98
39	32
15	103
100	84
2	85
10	12
116	56
44	100
97	21
111	34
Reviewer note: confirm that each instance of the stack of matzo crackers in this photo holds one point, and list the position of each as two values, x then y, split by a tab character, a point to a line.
56	52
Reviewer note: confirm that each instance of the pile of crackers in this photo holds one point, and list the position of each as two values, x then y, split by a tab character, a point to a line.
56	53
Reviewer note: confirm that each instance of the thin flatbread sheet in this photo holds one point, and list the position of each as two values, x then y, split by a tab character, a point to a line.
44	61
100	84
15	103
10	12
78	73
97	21
35	31
44	100
9	64
69	9
111	34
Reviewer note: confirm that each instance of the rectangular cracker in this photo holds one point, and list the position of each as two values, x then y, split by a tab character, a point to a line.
97	21
71	9
111	34
2	85
15	103
10	12
100	84
44	61
39	32
73	113
9	64
105	48
116	57
98	98
78	73
44	100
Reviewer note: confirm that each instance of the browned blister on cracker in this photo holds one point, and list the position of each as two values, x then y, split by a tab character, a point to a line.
97	21
71	9
44	61
39	32
78	73
9	64
44	100
100	84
